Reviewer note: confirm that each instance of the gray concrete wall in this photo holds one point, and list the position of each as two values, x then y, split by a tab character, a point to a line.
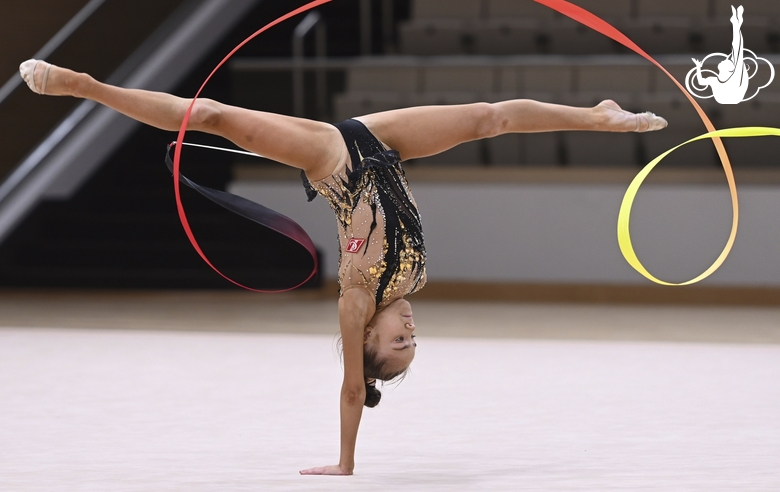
566	233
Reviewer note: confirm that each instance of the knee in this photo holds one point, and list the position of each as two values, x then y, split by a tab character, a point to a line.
206	115
491	120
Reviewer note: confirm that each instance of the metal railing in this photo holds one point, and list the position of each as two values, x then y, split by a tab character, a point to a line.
29	164
311	21
88	134
367	26
51	46
315	21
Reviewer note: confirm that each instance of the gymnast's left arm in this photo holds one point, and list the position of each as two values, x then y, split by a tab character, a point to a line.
356	308
703	81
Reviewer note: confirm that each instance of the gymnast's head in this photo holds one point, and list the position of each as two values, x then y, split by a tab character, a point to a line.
725	70
388	347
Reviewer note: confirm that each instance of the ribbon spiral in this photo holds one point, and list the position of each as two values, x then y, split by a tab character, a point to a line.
624	236
264	216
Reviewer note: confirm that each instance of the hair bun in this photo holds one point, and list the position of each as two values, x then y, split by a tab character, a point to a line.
373	395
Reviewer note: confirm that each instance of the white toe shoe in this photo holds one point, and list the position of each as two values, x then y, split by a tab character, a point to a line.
653	122
27	70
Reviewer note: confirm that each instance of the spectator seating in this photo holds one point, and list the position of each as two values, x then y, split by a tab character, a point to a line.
505	27
673	8
563	36
520	27
609	9
554	78
765	8
447	9
459	78
665	35
533	149
600	149
635	84
505	36
567	37
403	78
613	77
753	152
436	37
757	32
684	123
503	9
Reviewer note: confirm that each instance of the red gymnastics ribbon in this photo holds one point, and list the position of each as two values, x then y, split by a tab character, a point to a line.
177	157
624	239
600	25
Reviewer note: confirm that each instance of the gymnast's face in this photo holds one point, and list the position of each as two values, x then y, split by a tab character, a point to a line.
392	334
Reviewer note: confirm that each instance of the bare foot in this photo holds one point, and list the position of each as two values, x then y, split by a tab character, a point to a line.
45	78
616	119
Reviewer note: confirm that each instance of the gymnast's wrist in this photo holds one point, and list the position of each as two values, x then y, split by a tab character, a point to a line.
347	467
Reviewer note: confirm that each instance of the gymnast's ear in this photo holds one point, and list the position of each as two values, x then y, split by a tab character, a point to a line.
373	395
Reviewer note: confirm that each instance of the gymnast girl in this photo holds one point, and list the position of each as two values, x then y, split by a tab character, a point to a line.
356	166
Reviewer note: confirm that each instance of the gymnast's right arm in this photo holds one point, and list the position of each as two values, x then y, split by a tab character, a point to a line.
356	308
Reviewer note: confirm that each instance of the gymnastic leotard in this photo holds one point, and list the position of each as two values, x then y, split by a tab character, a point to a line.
380	236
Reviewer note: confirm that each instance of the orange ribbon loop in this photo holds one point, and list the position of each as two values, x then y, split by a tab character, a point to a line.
624	238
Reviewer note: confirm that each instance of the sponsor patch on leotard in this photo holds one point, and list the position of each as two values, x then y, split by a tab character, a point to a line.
354	245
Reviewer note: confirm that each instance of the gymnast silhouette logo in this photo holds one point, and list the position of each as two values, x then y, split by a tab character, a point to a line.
735	70
354	245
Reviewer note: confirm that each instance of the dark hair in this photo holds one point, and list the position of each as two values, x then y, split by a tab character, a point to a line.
374	370
373	395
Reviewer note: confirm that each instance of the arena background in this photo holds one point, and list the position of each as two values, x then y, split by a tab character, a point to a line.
102	292
514	212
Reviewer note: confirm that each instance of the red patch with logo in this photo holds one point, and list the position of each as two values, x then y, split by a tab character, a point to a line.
354	245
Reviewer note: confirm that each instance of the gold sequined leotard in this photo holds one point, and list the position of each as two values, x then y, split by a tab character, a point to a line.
380	235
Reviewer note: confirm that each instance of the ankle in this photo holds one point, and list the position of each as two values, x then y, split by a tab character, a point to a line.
79	85
601	118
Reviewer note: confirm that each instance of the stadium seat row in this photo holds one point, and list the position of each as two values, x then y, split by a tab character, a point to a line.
564	36
508	27
501	9
548	75
595	149
374	89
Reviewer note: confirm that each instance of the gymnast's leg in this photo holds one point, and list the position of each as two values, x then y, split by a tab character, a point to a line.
315	147
428	130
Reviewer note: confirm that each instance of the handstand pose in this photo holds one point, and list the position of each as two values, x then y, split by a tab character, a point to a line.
352	166
731	84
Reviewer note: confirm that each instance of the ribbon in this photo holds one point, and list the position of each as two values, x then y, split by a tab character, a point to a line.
255	212
262	215
624	236
221	149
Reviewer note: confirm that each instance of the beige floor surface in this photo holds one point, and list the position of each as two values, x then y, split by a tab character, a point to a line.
227	391
315	313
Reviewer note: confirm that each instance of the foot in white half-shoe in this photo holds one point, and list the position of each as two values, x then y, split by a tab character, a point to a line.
36	74
649	122
619	120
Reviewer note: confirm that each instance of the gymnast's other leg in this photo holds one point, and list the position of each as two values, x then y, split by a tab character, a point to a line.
315	147
428	130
